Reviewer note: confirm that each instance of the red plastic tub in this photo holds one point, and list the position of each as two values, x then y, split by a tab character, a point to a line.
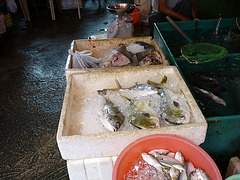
190	151
135	15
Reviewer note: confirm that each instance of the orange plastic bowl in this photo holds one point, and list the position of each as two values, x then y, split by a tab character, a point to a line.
135	15
190	151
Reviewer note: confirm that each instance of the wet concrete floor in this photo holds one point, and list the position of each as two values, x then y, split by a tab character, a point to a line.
32	86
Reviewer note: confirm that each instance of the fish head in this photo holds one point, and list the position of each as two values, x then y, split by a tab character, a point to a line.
112	121
144	121
175	116
115	122
198	173
153	123
177	111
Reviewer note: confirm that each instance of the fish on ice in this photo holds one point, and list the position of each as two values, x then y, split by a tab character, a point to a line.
177	110
147	88
112	117
142	116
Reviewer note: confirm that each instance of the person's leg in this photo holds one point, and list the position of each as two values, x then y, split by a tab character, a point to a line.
184	7
154	18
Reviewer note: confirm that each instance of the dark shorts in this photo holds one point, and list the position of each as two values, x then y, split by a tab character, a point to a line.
184	7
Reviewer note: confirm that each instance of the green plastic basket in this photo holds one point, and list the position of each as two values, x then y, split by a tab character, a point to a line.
203	52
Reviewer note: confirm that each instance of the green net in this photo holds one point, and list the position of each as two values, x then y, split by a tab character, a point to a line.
203	52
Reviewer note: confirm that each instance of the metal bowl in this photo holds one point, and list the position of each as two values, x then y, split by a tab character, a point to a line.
121	8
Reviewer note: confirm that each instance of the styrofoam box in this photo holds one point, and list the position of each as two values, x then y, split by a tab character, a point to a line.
101	47
91	168
79	134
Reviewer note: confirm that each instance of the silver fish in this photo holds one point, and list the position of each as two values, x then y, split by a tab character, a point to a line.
143	89
112	117
148	88
169	161
160	151
189	168
199	174
211	96
183	176
151	160
174	173
144	121
177	110
142	116
179	157
151	87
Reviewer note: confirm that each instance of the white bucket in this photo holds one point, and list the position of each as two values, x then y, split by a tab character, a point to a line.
2	23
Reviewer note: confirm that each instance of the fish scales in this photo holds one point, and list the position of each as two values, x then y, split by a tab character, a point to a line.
112	117
139	87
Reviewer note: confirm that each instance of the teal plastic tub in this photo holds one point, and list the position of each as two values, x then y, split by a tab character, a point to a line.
222	140
200	31
234	177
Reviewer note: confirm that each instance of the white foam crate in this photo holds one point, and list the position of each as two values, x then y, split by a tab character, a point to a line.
92	168
73	144
100	47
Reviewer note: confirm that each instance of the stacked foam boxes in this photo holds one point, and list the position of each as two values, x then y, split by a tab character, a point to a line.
91	154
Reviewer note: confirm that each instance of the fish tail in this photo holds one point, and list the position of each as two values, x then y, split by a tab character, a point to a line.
118	84
163	81
131	100
152	83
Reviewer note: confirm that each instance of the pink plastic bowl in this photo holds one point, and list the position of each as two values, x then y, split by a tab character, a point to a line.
190	151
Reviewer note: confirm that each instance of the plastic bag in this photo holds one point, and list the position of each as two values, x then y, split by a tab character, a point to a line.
11	6
83	59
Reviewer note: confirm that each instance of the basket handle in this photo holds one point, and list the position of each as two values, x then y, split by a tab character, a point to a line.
178	29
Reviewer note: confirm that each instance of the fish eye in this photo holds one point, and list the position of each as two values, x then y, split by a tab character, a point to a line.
153	124
182	116
118	124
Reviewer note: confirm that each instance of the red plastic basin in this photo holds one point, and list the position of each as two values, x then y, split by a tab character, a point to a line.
190	151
